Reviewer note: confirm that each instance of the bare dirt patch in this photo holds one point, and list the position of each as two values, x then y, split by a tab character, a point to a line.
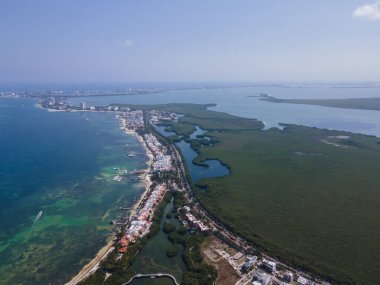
226	274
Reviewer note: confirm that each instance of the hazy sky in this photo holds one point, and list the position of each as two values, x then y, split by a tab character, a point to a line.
193	40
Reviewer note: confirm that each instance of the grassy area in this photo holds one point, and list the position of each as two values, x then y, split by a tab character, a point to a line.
354	103
307	195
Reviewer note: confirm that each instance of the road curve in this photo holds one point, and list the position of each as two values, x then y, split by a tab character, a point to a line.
153	275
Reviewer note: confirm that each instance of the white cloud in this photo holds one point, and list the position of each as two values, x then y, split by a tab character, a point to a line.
368	11
126	43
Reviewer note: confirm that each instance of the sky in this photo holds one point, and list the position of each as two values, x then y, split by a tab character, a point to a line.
195	40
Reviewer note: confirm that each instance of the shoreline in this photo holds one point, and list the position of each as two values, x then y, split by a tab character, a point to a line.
93	264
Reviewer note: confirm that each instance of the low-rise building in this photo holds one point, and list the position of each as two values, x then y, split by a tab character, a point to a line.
302	281
248	263
196	223
288	277
238	255
269	265
261	277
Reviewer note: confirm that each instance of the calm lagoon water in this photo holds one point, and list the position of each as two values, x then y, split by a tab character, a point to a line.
197	172
198	132
238	101
61	164
162	131
153	258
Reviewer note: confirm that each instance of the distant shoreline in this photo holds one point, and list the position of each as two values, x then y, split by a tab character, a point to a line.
372	104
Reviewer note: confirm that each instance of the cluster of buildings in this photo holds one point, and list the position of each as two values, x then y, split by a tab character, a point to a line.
196	223
152	201
270	266
260	277
58	103
10	94
140	224
162	161
53	103
303	281
82	106
133	120
157	116
262	271
267	274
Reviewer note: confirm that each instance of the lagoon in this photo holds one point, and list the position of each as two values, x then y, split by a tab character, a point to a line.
239	101
198	172
212	167
153	258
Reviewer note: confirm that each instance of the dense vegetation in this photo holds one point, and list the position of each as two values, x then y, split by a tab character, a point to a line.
168	228
302	194
172	250
354	103
312	203
197	271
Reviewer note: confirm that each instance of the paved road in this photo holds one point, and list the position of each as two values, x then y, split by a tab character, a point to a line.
154	275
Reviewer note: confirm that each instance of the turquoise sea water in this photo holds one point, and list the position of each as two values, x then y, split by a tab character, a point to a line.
61	164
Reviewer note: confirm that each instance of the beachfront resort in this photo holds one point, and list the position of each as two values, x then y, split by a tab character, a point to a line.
138	225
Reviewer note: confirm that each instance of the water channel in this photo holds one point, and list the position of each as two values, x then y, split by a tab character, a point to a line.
197	172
